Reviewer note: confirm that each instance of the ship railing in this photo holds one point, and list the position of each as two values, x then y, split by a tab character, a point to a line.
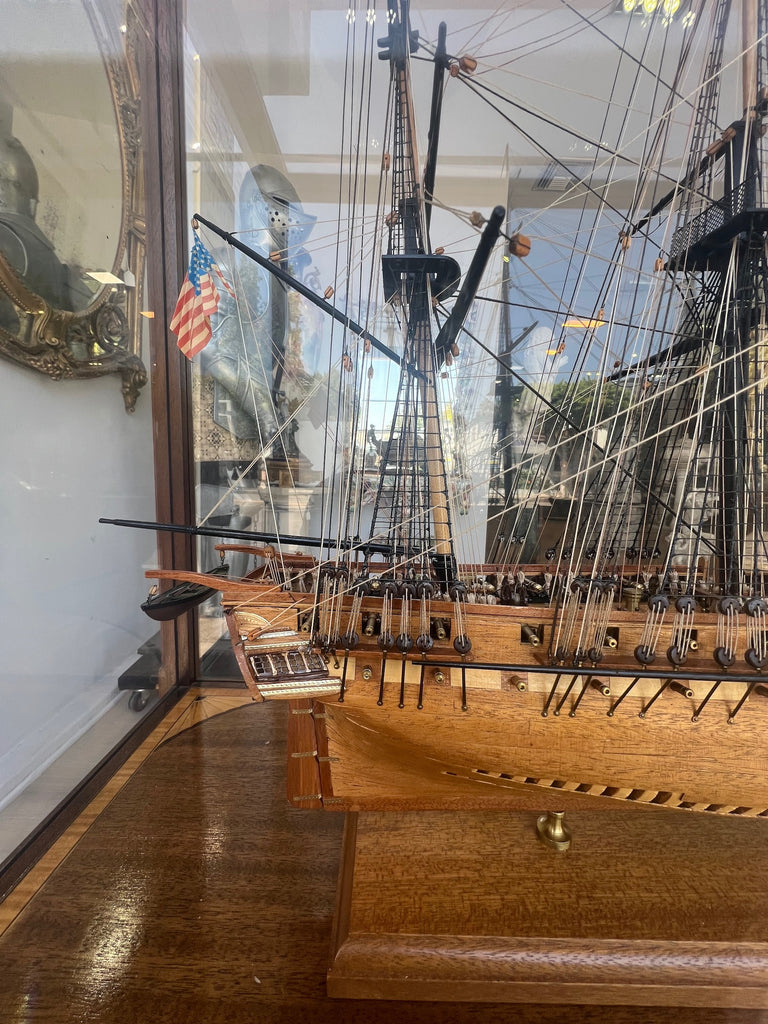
714	216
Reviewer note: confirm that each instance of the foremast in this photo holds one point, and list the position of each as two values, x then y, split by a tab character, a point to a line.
412	503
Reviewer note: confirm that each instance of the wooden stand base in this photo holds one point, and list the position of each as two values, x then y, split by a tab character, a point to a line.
667	909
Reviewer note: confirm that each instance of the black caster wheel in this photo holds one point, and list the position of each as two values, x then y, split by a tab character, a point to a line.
138	700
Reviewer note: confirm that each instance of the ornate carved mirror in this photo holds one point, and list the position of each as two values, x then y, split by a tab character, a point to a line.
71	205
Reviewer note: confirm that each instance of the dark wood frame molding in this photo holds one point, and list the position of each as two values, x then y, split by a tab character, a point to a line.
162	114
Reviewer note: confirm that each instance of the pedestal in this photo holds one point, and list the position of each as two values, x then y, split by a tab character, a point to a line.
667	909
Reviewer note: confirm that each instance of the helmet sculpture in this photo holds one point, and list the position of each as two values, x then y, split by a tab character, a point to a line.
268	200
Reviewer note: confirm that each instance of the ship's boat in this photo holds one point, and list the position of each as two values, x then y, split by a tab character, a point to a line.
163	606
579	615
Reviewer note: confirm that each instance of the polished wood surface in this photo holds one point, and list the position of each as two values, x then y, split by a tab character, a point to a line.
186	711
394	758
198	895
641	909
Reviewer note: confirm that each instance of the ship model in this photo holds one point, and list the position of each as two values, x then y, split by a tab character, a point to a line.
611	642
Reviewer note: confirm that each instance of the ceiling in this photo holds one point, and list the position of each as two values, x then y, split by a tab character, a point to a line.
278	71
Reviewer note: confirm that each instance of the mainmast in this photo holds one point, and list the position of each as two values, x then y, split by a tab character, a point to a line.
723	251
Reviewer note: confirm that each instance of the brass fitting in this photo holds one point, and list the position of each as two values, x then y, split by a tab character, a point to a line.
553	830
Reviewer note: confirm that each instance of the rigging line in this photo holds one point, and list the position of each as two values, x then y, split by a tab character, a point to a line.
567	32
348	93
374	287
261	454
672	88
602	205
476	27
403	562
363	131
582	183
610	498
483	24
247	234
279	586
558	313
563	250
693	417
599	97
241	297
649	142
613	153
257	418
572	194
344	383
545	151
476	86
685	99
256	324
611	457
667	115
548	288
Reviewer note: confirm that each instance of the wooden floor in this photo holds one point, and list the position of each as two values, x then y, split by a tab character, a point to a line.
194	895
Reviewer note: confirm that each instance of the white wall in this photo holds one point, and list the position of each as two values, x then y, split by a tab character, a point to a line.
70	621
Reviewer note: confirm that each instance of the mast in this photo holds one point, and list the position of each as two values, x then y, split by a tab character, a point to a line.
721	251
738	503
416	512
412	504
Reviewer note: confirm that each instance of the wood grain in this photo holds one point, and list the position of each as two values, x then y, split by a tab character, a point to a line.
303	771
407	758
655	910
196	879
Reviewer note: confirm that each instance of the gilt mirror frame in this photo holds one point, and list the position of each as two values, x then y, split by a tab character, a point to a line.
105	337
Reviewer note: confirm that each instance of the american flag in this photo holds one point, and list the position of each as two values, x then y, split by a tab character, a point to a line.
198	301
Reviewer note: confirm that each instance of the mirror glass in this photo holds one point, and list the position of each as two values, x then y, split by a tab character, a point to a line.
60	161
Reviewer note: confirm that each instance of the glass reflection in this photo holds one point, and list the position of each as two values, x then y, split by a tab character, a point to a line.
60	209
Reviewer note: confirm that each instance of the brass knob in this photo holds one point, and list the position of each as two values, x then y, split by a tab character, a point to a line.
553	831
367	672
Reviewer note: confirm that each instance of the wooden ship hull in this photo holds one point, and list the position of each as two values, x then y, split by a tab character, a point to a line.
501	726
